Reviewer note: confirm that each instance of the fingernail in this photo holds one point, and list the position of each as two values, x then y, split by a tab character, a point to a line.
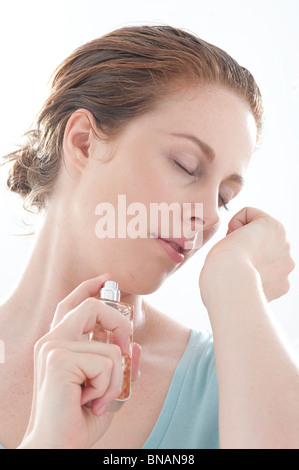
104	275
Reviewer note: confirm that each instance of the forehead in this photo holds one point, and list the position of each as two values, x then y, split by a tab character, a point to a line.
212	113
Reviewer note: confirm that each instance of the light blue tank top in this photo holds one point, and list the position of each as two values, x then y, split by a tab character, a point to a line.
189	417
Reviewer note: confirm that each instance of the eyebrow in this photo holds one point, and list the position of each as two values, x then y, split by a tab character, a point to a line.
209	153
206	149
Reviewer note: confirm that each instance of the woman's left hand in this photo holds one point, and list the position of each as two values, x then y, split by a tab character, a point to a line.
255	238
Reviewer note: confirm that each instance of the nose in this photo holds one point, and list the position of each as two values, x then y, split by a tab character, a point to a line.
202	222
211	219
204	217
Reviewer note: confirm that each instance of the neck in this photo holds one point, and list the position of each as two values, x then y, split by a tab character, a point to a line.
54	269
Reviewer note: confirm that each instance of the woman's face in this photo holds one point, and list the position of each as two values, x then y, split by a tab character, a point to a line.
192	148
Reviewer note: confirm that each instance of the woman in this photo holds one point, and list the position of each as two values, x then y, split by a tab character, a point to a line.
157	115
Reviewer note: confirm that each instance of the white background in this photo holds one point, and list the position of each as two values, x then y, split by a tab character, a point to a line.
35	36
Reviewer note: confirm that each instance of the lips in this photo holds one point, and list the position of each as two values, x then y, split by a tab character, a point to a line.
175	248
179	244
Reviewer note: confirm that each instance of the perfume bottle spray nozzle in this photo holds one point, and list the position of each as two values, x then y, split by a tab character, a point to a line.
110	291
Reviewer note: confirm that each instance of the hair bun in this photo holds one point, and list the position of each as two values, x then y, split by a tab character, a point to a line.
23	162
17	180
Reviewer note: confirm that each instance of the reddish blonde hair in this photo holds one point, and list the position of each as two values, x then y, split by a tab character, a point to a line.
117	78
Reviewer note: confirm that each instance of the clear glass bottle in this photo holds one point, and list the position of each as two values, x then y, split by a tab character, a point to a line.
110	295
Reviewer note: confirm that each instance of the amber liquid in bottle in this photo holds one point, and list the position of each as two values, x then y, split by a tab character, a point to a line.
110	295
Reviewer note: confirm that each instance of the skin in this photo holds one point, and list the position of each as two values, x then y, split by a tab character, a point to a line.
62	278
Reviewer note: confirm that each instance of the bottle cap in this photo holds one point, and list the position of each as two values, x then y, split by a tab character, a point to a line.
110	291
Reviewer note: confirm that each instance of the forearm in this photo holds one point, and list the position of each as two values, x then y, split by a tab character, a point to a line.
258	378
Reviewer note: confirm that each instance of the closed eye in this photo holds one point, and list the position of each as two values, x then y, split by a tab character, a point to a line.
185	169
223	203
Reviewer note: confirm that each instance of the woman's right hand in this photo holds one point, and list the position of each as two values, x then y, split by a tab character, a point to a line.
65	413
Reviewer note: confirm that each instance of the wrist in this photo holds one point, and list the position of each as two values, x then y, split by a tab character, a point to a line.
226	274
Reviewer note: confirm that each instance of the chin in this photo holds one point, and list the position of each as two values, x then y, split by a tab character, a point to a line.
142	286
139	268
140	282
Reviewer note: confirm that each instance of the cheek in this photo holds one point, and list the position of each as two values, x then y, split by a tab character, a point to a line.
135	264
148	188
208	234
158	190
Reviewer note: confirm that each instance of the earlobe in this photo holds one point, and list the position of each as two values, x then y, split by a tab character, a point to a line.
77	139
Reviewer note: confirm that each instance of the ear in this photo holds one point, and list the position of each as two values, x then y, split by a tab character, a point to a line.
78	138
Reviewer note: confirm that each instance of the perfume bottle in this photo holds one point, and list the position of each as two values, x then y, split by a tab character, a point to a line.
110	295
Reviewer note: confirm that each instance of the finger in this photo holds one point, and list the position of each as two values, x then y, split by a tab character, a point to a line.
101	405
104	374
104	383
75	362
244	217
89	288
98	349
136	356
90	313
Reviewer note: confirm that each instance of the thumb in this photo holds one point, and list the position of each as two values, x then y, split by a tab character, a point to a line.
233	225
244	217
238	221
